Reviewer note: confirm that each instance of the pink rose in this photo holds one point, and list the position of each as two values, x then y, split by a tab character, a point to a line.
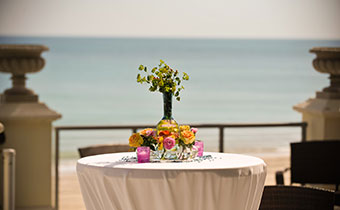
194	130
169	143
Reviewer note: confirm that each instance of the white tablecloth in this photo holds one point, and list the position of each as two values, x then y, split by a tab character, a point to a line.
227	181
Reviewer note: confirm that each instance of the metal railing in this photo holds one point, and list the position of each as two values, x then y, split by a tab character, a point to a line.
134	128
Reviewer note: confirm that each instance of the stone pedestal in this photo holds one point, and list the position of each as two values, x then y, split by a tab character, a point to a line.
322	113
28	127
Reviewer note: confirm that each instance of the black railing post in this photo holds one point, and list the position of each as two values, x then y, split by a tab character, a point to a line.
303	132
221	149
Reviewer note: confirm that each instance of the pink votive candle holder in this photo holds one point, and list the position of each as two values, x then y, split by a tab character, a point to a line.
200	147
143	154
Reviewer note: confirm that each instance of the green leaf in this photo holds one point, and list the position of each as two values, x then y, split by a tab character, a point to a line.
154	69
141	67
185	76
178	98
152	88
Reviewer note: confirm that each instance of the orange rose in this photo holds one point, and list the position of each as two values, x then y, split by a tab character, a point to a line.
135	140
146	131
187	136
164	133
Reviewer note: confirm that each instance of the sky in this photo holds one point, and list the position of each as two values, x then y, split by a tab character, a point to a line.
273	19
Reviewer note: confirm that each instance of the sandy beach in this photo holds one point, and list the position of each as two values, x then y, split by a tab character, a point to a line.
70	197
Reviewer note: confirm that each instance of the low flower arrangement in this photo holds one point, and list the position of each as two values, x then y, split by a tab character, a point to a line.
167	145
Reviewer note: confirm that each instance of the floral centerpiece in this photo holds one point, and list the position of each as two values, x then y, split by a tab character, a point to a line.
167	145
168	141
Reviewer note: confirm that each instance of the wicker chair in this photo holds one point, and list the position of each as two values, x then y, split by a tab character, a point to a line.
102	149
282	197
314	162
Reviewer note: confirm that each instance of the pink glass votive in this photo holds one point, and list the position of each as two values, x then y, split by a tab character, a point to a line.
143	154
200	146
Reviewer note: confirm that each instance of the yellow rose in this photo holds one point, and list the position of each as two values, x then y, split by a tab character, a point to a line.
135	140
160	142
160	146
184	127
187	136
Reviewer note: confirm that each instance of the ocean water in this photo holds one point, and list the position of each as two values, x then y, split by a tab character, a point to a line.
92	81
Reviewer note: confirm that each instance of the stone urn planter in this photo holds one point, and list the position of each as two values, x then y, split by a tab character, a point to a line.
328	61
19	60
322	113
28	124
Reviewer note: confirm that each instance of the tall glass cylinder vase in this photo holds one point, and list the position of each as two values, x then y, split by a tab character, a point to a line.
167	127
167	123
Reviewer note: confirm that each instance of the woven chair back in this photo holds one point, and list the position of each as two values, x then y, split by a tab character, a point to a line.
102	149
286	197
315	162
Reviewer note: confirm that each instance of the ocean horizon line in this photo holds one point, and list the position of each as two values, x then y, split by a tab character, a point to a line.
169	38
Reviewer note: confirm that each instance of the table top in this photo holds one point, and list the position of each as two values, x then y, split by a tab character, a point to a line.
220	181
210	161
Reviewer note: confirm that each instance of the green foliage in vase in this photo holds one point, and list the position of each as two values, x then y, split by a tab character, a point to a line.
163	79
